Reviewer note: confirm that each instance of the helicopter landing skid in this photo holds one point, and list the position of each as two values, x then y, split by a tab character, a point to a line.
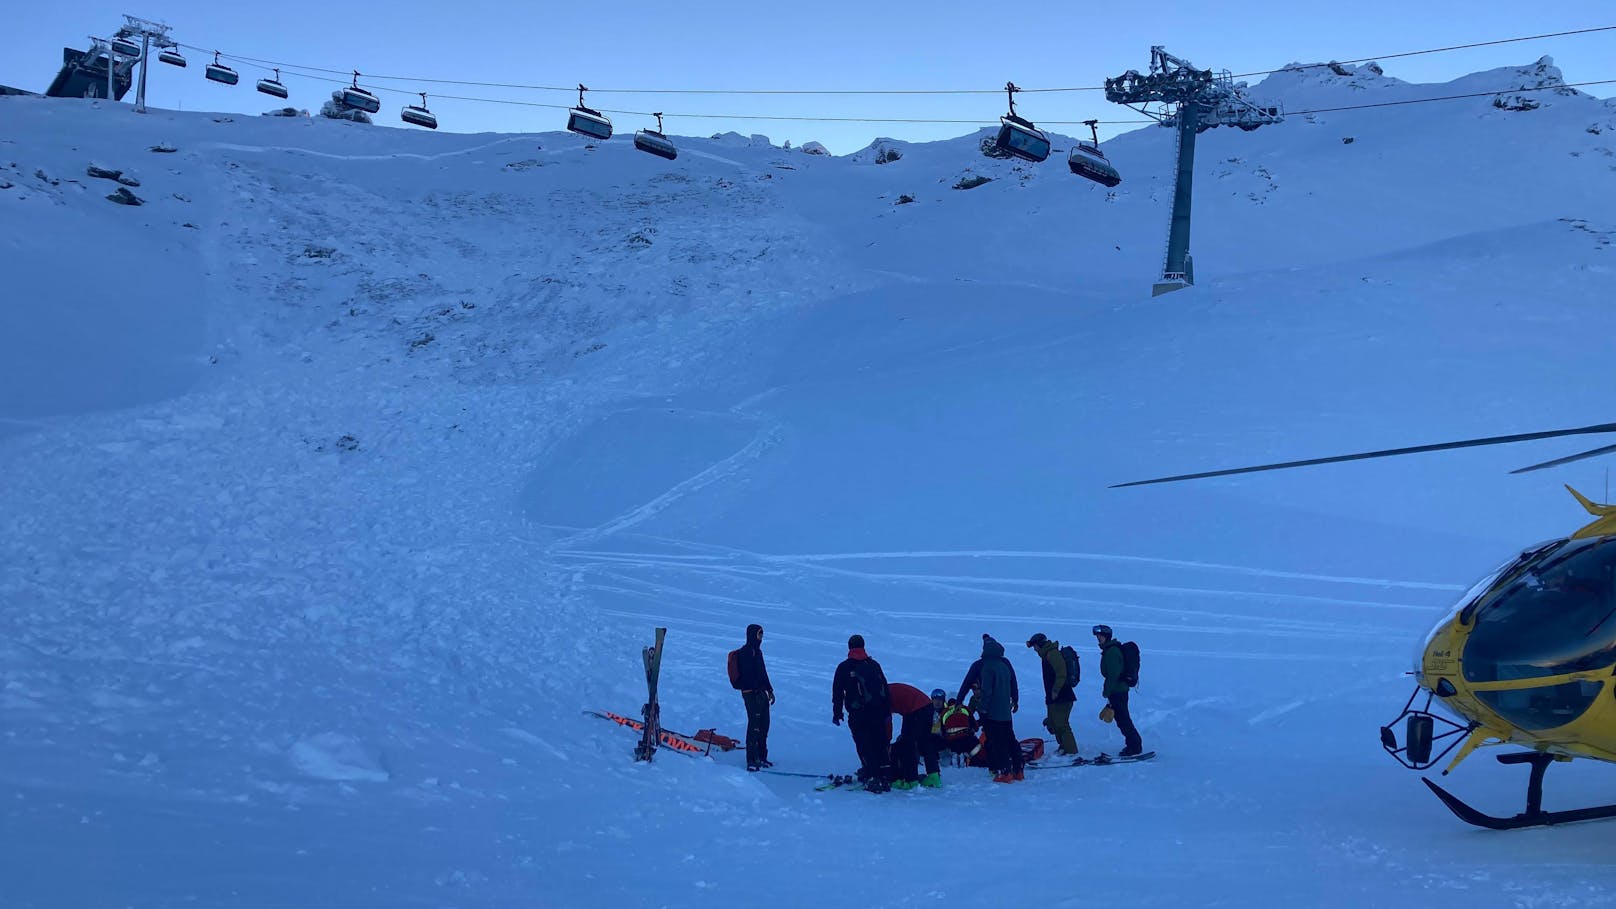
1534	815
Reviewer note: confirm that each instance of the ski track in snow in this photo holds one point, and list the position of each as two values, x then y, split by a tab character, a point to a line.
765	438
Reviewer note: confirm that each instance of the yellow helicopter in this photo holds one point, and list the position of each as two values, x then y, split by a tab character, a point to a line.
1527	656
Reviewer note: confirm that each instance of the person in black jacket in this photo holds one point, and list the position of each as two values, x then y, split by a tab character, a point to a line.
758	694
860	686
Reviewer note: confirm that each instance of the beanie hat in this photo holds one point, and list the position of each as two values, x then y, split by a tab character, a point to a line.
856	642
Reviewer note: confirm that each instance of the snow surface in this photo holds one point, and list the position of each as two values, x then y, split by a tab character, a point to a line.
348	470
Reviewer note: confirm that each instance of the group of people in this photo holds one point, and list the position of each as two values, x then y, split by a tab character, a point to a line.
977	724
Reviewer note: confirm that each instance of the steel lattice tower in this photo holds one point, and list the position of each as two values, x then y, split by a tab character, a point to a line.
1193	100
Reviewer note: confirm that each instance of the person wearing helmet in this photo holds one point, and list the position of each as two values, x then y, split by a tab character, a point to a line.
914	738
1116	690
1058	693
955	727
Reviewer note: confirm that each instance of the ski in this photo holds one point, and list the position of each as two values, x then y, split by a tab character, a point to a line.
1099	760
651	731
673	741
809	776
840	782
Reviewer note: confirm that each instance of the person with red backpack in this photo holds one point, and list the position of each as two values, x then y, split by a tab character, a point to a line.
1119	678
750	677
860	686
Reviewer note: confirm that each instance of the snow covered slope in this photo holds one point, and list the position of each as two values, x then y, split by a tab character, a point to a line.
346	471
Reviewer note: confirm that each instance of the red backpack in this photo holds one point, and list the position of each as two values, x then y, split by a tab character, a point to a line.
735	669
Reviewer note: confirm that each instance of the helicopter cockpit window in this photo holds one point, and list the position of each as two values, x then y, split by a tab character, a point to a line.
1556	616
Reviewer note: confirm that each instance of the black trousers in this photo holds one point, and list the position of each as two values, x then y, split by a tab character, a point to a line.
757	726
869	729
915	741
1119	713
1004	752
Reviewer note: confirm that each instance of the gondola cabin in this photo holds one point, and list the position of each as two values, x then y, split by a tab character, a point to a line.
1088	162
1020	139
218	72
591	123
359	99
649	140
125	48
419	116
172	57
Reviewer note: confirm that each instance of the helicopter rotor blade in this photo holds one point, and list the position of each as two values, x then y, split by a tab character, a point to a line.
1390	452
1568	459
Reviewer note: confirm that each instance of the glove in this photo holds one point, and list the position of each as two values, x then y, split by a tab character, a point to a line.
837	719
1107	714
771	698
1014	707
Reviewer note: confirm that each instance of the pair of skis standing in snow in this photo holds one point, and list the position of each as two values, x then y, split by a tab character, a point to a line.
932	724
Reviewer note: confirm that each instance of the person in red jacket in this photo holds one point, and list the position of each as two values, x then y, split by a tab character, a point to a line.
955	727
914	737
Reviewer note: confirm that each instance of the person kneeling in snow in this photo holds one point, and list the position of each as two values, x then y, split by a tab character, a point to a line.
954	728
914	738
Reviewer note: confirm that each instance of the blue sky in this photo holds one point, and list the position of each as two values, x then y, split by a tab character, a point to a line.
823	45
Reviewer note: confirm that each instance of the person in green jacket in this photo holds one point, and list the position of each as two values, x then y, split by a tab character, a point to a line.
1116	689
1058	693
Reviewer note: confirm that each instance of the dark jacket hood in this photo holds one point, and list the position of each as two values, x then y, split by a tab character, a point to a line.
754	635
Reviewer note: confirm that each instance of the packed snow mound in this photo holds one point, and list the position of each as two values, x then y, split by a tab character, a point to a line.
334	756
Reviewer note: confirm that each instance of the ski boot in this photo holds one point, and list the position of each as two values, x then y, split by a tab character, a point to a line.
932	781
906	785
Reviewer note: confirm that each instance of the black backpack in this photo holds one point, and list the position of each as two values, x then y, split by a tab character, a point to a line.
862	692
1074	669
1130	664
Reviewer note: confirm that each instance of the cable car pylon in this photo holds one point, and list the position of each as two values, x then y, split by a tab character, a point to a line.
1200	99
